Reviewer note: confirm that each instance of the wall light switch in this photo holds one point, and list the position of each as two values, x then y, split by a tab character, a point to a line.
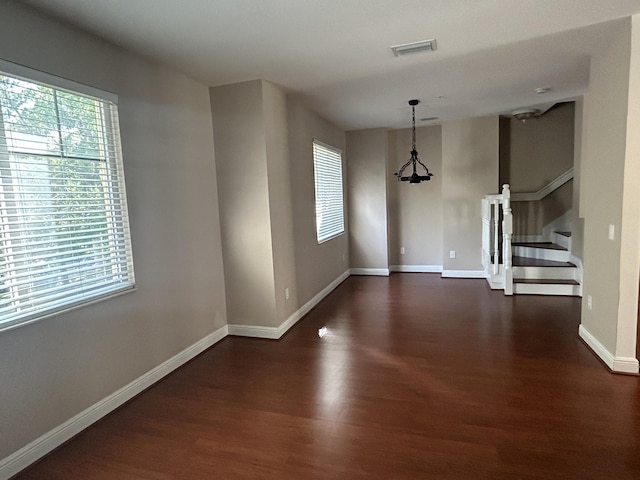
452	254
612	232
589	302
401	250
286	293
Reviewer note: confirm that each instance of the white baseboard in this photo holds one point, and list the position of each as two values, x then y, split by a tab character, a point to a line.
464	274
605	355
254	331
381	272
626	365
275	333
37	449
617	364
416	268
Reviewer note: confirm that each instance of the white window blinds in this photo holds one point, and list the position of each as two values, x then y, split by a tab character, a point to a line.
64	232
327	167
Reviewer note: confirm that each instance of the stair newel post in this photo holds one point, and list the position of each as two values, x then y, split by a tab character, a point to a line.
486	235
507	233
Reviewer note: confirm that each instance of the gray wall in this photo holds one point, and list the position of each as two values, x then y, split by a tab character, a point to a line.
532	154
241	161
469	171
530	218
427	219
628	322
280	198
264	156
53	369
541	149
609	189
367	153
316	265
415	211
577	223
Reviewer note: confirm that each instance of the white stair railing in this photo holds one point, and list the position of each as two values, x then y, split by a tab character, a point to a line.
494	208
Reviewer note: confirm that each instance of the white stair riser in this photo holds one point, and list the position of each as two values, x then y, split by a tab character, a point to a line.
560	273
541	253
562	240
547	289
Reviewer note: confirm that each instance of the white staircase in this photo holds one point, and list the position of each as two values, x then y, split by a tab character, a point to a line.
545	268
542	268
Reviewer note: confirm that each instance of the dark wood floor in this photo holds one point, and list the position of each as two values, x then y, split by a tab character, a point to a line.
418	377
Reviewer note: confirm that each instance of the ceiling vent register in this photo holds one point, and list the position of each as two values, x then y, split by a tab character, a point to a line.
415	47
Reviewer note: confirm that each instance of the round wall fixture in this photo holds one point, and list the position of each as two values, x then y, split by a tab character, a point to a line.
524	114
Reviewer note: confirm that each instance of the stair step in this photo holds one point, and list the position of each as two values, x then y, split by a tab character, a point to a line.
546	281
562	238
544	286
547	273
545	245
538	262
541	251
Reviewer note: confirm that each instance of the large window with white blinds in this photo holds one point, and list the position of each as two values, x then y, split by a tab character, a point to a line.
64	232
327	168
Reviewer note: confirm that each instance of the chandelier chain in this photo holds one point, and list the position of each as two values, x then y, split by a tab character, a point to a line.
414	161
413	128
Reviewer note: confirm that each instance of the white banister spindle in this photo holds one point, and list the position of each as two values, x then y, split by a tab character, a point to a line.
507	233
496	244
486	234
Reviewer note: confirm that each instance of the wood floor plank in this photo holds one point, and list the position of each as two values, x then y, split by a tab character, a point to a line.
417	377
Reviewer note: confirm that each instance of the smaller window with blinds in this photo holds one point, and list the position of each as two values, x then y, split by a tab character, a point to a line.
327	169
64	229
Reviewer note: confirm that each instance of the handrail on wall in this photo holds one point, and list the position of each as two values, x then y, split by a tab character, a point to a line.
549	188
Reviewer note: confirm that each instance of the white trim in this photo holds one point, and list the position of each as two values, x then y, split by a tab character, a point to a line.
464	274
563	223
541	253
626	365
384	272
10	325
35	450
547	289
327	146
254	331
544	191
39	76
494	284
528	239
579	271
617	364
600	350
275	333
416	268
562	240
547	273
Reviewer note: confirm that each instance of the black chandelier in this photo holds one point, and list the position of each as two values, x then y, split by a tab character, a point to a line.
414	177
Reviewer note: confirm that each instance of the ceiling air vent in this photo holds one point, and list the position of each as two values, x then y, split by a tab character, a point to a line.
415	47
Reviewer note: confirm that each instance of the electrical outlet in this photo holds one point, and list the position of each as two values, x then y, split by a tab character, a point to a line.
452	254
612	232
286	293
401	250
589	302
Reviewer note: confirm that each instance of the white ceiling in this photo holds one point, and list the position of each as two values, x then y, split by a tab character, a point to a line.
335	54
